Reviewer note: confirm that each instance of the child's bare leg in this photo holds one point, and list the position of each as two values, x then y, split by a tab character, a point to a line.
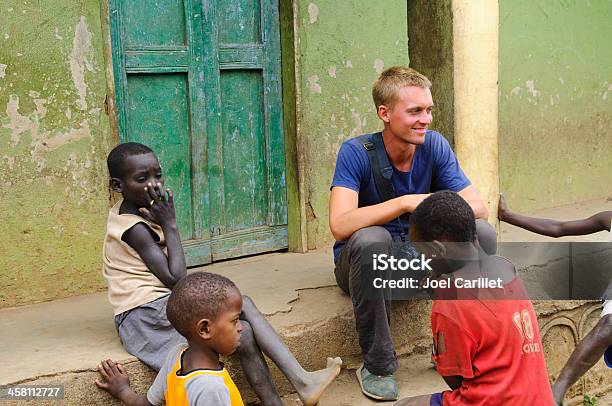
309	385
423	400
255	368
587	353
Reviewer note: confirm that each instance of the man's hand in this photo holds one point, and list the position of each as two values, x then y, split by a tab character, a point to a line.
115	377
161	210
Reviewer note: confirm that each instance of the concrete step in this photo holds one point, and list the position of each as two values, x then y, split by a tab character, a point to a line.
62	341
415	376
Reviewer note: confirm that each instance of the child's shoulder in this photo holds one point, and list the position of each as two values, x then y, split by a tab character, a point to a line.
118	223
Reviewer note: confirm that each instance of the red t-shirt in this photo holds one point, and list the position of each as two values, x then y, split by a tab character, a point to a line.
495	346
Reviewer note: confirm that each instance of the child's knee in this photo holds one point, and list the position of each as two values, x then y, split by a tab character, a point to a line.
247	304
604	329
487	237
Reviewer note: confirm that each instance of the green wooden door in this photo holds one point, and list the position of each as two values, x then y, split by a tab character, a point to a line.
199	82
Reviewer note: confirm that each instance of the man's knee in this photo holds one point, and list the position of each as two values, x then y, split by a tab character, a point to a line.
487	237
369	237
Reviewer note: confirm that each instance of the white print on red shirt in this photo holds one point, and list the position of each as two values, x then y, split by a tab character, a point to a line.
522	321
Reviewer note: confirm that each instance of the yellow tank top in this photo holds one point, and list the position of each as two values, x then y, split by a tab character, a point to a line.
176	384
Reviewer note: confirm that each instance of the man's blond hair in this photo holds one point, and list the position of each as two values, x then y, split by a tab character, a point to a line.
389	83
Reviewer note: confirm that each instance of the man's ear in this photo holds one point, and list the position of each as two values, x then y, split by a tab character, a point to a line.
383	113
203	329
116	185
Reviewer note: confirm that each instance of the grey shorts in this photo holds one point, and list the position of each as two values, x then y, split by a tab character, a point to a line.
146	333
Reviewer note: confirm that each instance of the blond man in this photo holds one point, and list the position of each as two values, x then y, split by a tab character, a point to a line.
421	162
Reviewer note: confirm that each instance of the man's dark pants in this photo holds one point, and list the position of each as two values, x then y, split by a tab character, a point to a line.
372	312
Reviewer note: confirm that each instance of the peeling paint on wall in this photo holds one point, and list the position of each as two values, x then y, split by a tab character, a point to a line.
313	13
339	58
313	84
554	110
516	90
41	139
332	71
529	85
359	122
379	65
80	59
53	143
604	96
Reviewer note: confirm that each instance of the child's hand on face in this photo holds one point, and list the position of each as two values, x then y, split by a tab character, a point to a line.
115	376
161	210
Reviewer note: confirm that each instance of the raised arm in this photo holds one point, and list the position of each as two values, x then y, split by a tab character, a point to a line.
345	217
555	228
168	269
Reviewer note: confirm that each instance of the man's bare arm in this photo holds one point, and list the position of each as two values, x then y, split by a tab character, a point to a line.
345	217
471	195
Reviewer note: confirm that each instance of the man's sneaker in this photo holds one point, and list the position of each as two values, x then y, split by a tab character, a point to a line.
377	387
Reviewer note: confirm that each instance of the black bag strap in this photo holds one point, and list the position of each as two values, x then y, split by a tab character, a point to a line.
382	170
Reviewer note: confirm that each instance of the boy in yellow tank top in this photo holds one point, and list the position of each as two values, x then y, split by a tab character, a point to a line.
205	309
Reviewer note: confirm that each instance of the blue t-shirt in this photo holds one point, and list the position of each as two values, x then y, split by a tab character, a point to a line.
434	168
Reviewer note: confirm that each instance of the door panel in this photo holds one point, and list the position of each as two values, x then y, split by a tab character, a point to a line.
154	23
199	82
243	183
164	127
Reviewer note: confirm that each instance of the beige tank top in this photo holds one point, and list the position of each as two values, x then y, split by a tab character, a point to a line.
130	282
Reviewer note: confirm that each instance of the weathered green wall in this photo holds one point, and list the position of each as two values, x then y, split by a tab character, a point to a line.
555	110
430	45
341	48
54	136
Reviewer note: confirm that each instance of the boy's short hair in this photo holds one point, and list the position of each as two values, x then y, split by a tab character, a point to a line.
389	83
444	216
199	295
120	153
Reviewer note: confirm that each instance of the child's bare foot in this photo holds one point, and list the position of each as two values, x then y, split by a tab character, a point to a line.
316	382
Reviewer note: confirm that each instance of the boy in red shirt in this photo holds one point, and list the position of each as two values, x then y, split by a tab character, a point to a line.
487	343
